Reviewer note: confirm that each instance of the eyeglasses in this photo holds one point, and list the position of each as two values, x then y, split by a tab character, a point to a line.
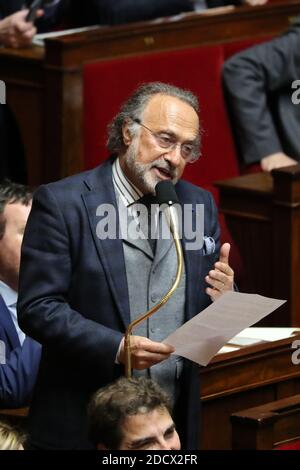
189	152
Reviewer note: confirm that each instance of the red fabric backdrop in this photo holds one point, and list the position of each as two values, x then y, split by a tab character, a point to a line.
107	84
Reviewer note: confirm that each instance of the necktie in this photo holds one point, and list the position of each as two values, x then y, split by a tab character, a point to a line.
147	200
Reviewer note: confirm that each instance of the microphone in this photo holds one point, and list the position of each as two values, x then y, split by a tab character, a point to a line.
165	194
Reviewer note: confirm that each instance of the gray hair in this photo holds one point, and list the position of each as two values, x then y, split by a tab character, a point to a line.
134	107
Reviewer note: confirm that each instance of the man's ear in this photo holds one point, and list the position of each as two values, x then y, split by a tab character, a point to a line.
101	447
127	137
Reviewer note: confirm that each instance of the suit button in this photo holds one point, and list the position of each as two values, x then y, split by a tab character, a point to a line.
154	297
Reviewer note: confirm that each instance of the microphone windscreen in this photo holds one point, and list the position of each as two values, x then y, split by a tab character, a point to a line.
165	193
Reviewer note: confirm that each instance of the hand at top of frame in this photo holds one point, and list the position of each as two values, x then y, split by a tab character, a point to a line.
15	31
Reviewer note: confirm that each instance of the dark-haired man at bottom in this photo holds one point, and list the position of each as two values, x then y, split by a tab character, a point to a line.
132	414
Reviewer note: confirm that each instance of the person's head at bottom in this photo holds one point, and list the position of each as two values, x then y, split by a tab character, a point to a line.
10	438
132	414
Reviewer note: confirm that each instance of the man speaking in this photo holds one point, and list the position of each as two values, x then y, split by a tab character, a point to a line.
79	292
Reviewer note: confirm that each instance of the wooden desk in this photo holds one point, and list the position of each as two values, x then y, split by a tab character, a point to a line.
242	379
266	427
232	382
44	87
262	213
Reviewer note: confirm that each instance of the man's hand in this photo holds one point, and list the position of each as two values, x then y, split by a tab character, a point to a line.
145	353
221	278
15	31
255	2
276	160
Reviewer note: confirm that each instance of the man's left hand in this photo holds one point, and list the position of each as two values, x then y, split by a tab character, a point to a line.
221	278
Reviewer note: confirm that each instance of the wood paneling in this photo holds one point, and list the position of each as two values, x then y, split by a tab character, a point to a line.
242	379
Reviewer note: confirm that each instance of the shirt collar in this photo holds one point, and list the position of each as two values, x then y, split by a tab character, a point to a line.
128	192
9	296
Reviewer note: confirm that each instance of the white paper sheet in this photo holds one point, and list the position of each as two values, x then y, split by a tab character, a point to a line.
202	337
254	335
39	39
266	334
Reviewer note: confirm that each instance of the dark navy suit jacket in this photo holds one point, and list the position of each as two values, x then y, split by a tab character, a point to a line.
73	299
18	375
258	85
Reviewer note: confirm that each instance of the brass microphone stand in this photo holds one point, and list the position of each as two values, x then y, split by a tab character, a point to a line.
132	325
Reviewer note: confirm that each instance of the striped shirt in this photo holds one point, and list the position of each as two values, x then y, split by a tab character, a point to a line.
127	191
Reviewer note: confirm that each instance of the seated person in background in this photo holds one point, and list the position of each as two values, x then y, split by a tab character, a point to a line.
10	438
258	87
126	11
19	355
132	414
16	32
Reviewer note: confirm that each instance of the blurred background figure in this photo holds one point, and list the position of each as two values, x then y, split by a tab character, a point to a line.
10	438
126	11
258	86
15	31
56	14
22	354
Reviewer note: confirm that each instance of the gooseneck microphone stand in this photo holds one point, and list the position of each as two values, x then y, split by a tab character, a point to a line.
165	194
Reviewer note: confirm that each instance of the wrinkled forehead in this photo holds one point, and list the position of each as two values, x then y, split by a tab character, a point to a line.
165	112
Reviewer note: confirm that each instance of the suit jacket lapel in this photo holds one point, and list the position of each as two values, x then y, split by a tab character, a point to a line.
110	250
8	325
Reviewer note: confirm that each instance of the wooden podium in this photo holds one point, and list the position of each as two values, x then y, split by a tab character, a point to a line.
233	381
250	376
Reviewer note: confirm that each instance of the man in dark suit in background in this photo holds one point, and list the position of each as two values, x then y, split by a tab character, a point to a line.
20	355
15	31
259	90
107	12
79	290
